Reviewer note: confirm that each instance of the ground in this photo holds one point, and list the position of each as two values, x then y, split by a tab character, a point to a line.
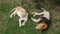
11	25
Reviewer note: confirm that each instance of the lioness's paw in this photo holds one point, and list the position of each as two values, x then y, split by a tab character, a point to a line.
10	16
23	24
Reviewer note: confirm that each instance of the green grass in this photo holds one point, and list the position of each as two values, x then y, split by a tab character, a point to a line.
11	25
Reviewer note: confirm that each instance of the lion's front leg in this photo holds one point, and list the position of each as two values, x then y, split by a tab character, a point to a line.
36	20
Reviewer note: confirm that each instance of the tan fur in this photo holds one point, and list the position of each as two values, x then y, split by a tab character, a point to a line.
22	13
45	14
41	26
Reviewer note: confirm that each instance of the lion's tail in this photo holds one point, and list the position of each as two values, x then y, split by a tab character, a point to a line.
12	10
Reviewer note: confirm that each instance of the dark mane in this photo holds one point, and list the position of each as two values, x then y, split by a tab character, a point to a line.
46	21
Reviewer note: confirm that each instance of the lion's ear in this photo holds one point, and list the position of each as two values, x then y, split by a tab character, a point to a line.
45	26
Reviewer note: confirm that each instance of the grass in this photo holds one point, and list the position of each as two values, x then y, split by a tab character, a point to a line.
11	25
